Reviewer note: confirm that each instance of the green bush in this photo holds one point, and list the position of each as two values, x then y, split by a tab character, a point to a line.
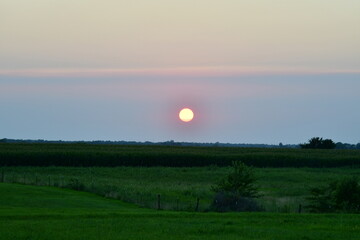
337	196
236	192
241	181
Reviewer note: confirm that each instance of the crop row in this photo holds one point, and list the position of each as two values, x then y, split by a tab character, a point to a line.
87	155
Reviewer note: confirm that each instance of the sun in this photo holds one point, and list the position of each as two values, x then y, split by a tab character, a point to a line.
186	115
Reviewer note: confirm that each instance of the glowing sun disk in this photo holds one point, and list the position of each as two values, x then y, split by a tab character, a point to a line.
186	115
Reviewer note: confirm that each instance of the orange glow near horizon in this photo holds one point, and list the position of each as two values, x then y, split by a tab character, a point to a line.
186	115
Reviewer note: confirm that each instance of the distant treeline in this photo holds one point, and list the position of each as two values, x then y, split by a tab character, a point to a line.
339	145
166	143
46	154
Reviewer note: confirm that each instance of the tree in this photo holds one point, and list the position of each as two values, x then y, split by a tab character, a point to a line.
328	144
239	182
236	192
319	143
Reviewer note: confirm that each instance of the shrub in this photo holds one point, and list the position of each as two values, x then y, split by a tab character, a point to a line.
337	196
236	191
239	182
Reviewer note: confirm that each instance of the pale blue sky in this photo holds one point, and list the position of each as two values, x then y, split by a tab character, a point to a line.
253	71
249	109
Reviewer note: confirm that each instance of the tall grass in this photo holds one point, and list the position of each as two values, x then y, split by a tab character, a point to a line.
283	189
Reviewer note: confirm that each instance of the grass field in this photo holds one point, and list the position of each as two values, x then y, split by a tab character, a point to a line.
41	154
37	212
119	202
283	188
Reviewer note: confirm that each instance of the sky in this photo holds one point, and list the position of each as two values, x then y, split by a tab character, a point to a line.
253	71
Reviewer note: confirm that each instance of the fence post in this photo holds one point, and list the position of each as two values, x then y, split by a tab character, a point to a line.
197	205
299	210
158	202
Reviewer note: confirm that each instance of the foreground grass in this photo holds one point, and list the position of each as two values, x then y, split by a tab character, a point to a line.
33	212
283	188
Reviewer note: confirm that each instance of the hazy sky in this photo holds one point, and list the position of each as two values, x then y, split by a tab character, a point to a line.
253	71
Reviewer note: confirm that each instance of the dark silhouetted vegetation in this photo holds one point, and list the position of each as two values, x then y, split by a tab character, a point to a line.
148	143
340	145
338	196
319	143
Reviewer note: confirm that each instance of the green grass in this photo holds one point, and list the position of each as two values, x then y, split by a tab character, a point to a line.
41	154
283	188
34	212
37	198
